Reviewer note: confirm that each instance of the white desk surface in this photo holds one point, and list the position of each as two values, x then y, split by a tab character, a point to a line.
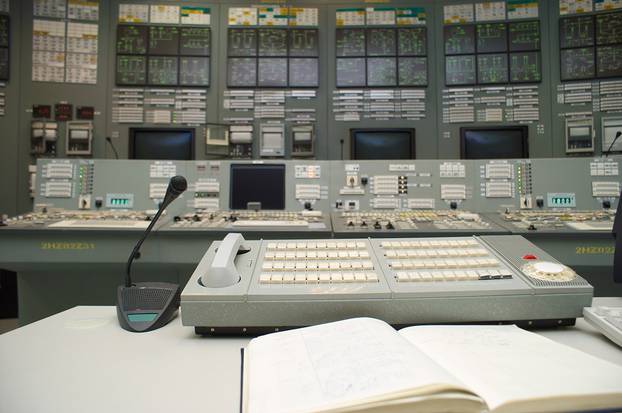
81	361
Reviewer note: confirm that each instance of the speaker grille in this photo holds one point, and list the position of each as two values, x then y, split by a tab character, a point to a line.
145	298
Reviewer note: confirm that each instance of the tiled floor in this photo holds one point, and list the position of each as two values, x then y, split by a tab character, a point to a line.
7	324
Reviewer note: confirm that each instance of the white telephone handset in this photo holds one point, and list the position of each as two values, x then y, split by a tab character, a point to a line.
222	271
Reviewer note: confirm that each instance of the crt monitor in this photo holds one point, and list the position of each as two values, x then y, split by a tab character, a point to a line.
382	143
257	183
157	143
503	142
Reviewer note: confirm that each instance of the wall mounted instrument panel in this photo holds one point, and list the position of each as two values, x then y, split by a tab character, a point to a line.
273	57
157	55
263	286
381	57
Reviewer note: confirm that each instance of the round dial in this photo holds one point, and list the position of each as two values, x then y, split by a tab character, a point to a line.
549	271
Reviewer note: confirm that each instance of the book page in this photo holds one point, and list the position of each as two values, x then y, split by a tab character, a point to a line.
337	364
505	364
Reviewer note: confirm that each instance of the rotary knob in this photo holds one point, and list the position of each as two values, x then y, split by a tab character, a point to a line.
549	271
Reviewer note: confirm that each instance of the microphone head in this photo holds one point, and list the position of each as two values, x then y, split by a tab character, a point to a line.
618	134
177	185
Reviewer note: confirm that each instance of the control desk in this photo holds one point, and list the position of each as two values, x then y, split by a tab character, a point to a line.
252	287
74	245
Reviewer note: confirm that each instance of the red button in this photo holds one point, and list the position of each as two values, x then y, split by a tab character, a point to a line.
529	257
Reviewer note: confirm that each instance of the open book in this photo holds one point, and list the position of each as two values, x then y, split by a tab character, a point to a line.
364	365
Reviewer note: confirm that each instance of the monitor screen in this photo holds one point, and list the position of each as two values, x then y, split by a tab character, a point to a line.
459	39
492	38
195	41
494	142
272	42
381	42
257	183
163	40
272	72
170	144
381	71
304	72
382	143
304	43
576	32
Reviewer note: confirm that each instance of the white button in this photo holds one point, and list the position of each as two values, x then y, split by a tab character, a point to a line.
348	277
276	278
402	276
425	275
359	277
312	277
288	278
335	277
372	277
300	278
325	277
264	278
272	246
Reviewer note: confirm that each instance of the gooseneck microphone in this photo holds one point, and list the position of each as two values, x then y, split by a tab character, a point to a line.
149	305
613	143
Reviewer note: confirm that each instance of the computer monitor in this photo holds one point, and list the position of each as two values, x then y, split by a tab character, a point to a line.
257	183
382	143
502	142
158	143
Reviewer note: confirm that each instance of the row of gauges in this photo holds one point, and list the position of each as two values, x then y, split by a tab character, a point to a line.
62	112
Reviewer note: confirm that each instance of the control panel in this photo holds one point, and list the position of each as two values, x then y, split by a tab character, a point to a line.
422	197
256	196
255	287
353	198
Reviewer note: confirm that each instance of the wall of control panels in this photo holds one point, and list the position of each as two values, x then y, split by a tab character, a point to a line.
301	195
294	80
